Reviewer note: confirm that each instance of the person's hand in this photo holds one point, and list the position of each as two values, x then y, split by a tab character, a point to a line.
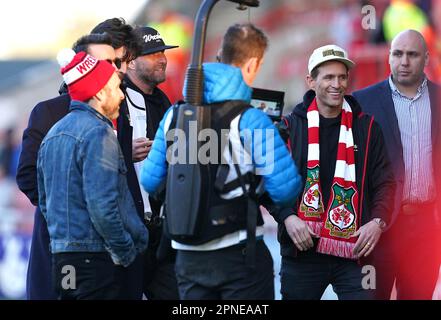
141	148
299	232
369	234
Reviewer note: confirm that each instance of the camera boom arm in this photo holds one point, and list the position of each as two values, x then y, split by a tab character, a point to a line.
193	92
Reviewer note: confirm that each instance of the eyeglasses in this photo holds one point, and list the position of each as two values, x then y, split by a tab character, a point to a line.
117	62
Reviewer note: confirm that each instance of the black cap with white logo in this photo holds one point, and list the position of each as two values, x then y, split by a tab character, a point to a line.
151	41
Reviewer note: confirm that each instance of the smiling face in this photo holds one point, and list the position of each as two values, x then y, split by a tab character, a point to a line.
407	59
330	85
150	68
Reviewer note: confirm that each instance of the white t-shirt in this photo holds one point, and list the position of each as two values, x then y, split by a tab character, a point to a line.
138	121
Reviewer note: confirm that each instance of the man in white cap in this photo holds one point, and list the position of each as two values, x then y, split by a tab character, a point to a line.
346	202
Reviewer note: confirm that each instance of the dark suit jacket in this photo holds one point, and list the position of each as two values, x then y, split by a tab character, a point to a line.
377	101
44	115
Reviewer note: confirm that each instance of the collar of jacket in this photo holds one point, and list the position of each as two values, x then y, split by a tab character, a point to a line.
82	106
127	83
302	108
154	98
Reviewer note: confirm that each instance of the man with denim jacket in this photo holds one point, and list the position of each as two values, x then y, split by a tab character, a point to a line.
95	232
120	49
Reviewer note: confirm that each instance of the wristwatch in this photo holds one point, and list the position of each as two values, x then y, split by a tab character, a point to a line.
380	223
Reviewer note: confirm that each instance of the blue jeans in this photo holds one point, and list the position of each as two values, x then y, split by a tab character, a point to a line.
306	277
224	275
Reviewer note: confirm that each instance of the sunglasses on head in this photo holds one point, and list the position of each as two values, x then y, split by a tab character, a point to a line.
117	62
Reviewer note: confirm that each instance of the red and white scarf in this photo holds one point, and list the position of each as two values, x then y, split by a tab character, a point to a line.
340	221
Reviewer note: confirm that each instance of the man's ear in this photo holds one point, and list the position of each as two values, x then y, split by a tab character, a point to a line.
131	65
250	69
219	55
426	59
253	65
310	82
99	96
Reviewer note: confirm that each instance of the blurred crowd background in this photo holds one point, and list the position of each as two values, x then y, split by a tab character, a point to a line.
29	72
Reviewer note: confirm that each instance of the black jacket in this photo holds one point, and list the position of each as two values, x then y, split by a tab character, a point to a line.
374	176
44	115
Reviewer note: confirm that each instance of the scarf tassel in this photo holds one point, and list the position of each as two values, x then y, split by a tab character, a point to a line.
337	248
315	226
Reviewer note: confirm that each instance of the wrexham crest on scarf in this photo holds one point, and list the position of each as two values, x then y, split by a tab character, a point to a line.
341	220
312	203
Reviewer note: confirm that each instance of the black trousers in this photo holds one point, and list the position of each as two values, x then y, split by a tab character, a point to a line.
39	275
408	254
306	277
159	278
88	276
224	274
153	278
152	274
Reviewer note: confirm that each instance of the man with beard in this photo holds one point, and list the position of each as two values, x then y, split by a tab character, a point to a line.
119	46
141	112
95	232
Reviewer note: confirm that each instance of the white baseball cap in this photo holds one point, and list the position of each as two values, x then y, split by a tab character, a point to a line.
328	53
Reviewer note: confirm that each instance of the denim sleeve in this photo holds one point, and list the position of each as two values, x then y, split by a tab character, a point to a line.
154	169
41	188
270	157
100	163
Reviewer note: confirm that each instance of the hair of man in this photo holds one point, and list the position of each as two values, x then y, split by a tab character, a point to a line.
241	42
82	44
122	35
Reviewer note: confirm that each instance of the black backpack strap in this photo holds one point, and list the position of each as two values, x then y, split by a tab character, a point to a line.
174	120
228	110
248	178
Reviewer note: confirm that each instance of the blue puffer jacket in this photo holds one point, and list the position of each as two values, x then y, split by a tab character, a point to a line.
221	83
